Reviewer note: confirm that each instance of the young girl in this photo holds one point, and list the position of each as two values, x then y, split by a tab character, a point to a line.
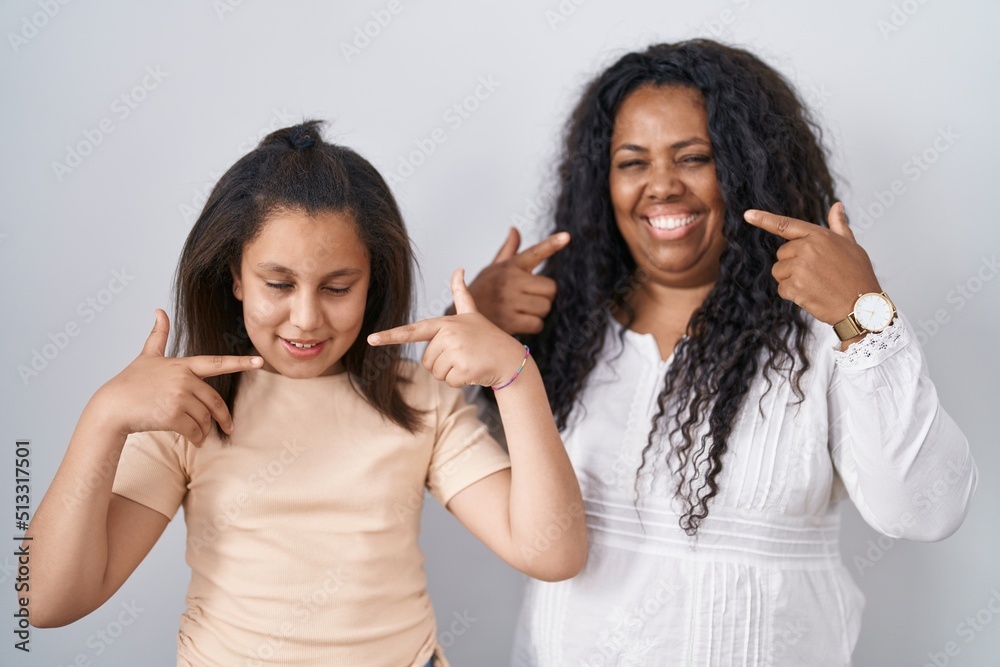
297	439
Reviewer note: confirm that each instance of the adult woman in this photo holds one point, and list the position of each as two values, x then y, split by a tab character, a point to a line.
690	362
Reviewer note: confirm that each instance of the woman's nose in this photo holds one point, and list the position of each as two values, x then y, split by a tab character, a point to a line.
664	181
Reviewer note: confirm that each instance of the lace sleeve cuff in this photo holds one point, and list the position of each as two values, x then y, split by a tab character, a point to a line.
873	348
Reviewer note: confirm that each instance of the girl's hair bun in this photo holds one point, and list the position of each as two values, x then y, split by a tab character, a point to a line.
297	137
302	136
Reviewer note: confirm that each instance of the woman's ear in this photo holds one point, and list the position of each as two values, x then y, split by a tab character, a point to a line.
237	284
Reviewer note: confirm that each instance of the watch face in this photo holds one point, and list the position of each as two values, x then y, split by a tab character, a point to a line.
873	312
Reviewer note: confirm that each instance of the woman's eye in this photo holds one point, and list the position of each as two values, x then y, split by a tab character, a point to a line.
278	286
629	163
340	291
696	159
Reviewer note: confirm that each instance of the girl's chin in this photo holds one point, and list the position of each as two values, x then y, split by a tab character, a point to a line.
298	370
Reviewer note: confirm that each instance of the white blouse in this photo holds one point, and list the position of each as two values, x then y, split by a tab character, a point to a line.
763	583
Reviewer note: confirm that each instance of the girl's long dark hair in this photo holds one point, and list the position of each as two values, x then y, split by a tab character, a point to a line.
294	168
768	156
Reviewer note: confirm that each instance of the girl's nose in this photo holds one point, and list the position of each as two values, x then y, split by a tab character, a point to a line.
306	314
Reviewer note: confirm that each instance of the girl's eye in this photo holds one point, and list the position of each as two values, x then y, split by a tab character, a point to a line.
278	286
339	291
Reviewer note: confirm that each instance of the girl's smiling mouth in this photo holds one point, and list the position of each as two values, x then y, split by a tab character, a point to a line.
303	349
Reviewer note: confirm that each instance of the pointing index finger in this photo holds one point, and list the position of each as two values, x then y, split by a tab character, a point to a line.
416	332
529	258
779	225
205	366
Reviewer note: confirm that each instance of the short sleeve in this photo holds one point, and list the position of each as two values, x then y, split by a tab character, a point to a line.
464	451
152	472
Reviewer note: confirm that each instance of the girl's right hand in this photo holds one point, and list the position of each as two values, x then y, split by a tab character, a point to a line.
160	393
465	348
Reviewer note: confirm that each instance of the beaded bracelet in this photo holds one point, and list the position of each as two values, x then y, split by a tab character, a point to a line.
527	353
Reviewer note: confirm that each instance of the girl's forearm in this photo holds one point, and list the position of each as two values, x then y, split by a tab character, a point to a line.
547	522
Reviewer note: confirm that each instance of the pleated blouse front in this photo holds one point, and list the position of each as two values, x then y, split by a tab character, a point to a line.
763	583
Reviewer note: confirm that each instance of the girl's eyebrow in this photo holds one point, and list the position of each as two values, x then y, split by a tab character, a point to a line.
274	267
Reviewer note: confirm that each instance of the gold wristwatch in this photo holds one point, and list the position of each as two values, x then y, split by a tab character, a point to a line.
873	312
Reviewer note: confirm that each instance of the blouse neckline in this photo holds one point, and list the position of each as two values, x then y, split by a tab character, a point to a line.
644	342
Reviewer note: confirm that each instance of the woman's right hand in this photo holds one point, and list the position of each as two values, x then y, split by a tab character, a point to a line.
160	393
507	291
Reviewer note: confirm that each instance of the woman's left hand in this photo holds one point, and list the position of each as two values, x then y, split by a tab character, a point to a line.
465	348
821	270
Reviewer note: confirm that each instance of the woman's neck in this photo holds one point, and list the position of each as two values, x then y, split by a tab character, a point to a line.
664	312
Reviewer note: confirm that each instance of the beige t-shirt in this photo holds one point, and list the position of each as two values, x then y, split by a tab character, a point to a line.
302	530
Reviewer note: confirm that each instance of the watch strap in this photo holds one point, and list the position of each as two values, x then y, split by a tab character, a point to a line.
848	328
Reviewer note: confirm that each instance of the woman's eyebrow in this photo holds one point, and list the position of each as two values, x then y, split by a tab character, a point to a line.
274	267
690	142
631	147
683	143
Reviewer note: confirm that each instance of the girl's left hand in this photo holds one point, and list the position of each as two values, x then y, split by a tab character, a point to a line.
821	270
465	348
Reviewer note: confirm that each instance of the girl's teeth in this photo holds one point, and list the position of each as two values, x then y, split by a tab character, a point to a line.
302	346
672	222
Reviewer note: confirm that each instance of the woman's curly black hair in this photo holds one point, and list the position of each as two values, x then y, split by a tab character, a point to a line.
768	156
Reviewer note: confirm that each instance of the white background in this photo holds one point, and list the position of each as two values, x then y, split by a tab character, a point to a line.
885	79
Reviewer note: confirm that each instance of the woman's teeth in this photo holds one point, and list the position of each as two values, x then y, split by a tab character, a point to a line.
672	221
303	346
